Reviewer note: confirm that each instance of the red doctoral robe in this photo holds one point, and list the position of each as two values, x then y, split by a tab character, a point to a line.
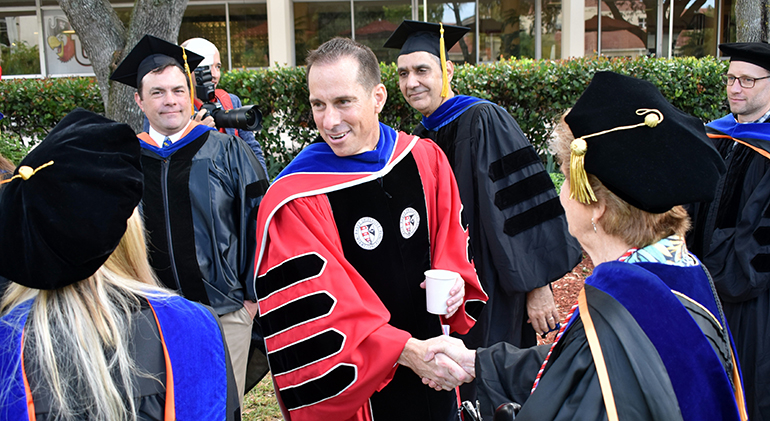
330	338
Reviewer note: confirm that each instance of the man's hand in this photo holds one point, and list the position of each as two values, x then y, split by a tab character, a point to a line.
453	349
251	307
208	121
443	373
542	310
456	296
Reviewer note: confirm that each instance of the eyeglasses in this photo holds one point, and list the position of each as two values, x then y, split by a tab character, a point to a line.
745	82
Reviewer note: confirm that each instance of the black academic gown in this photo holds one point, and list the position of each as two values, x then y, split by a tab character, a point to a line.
668	356
519	237
731	235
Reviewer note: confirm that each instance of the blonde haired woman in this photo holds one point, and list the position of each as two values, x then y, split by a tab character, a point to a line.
90	334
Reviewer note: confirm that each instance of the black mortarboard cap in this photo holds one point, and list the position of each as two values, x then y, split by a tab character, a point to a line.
653	155
412	36
757	53
149	54
59	225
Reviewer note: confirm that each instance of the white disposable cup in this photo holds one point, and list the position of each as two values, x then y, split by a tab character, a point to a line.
438	282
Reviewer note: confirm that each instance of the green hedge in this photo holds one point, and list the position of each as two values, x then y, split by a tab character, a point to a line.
12	148
536	93
33	106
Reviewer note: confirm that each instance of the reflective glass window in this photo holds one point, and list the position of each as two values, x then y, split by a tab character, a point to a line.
460	14
728	29
376	20
206	22
248	35
508	29
695	32
19	52
628	28
316	23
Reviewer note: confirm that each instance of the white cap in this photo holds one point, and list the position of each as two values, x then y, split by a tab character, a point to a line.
202	47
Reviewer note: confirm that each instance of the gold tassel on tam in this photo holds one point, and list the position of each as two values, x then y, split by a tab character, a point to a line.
444	76
26	172
579	186
189	76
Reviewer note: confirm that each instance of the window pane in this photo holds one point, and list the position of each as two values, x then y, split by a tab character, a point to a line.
729	31
695	31
629	32
18	44
508	29
20	3
551	23
316	23
376	21
456	13
206	22
248	35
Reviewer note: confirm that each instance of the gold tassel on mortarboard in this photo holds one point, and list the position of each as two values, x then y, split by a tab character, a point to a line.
189	76
26	172
579	186
444	75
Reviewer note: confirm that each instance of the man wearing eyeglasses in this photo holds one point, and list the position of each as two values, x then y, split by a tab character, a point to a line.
731	235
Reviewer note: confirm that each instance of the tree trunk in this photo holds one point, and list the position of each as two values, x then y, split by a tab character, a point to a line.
751	19
107	42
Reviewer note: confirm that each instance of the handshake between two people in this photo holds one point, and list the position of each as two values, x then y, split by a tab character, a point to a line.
442	362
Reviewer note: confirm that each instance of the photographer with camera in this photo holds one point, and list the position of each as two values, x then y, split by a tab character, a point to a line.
236	120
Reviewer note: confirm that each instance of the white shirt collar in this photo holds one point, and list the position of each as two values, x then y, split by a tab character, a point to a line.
159	138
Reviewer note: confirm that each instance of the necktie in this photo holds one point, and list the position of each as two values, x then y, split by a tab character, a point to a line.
166	142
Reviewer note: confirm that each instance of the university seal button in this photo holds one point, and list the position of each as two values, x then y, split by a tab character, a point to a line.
368	233
410	221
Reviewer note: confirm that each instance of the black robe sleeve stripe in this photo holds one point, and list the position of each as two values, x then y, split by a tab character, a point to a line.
523	190
306	352
512	163
321	388
533	217
288	273
297	312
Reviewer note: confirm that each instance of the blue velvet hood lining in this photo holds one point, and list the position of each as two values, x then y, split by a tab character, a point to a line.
196	132
318	157
450	110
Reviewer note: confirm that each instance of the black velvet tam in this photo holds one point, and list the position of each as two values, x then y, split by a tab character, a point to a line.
149	54
757	53
412	36
63	222
651	168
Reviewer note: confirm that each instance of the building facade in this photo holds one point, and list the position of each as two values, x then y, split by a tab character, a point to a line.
36	39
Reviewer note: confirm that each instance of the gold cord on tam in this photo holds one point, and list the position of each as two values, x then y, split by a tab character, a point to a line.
580	188
26	172
189	76
444	75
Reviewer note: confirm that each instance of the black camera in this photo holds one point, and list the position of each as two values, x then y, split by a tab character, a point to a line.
244	118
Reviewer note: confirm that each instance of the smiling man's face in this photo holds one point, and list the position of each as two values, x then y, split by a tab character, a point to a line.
345	112
419	78
165	100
